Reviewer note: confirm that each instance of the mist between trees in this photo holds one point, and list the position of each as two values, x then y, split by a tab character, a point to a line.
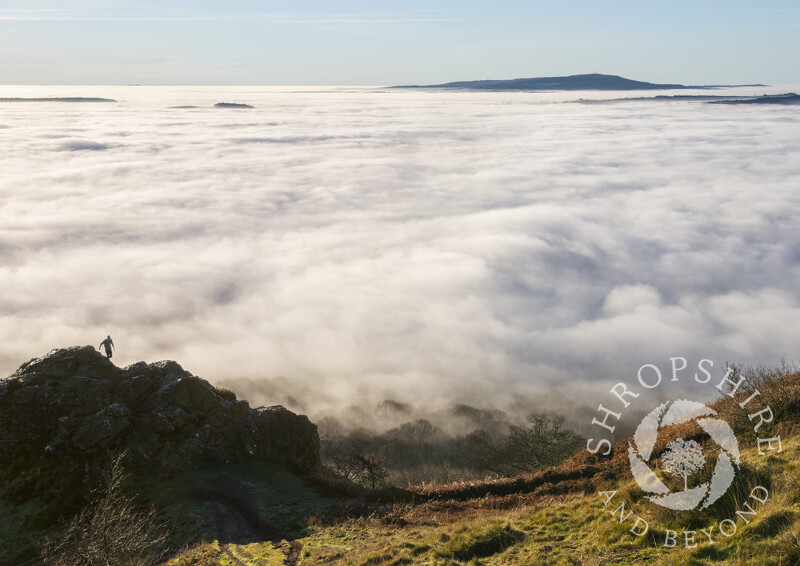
396	442
417	452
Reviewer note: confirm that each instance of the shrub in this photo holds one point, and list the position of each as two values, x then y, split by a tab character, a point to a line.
109	531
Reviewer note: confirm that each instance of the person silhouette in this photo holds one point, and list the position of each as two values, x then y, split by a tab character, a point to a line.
108	343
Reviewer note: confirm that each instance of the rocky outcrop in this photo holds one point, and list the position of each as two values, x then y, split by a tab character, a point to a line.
74	405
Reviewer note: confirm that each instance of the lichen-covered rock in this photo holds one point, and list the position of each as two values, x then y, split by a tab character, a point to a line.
193	394
169	419
102	428
75	405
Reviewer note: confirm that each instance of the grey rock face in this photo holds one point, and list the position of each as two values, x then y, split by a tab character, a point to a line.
74	404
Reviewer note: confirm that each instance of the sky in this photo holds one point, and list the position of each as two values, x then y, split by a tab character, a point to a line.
185	42
430	247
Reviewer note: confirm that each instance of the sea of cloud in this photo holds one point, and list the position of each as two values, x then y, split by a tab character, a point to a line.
429	247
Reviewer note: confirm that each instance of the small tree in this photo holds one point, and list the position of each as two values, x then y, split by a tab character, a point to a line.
109	531
544	442
683	459
372	468
351	458
340	454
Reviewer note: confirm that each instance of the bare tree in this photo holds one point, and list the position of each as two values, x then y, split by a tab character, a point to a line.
544	442
351	458
372	468
683	459
340	455
109	531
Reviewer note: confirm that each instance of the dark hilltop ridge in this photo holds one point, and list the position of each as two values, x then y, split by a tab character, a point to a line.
573	82
73	405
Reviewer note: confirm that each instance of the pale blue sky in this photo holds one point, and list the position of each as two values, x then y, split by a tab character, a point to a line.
355	42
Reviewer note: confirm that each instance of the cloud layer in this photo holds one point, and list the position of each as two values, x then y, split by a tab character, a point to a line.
432	246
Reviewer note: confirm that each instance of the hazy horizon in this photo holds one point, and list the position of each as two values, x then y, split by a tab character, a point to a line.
378	85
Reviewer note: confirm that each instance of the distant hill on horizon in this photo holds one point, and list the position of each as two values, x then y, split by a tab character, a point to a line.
59	99
572	82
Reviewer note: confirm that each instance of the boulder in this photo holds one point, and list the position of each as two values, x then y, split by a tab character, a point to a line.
102	428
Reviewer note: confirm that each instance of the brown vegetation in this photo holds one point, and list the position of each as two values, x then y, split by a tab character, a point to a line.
579	473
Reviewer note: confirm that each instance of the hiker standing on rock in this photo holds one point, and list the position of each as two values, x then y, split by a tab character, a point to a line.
108	343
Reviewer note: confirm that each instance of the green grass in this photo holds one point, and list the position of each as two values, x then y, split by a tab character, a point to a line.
17	531
571	530
480	543
575	530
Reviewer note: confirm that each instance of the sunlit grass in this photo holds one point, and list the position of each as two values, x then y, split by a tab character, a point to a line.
571	530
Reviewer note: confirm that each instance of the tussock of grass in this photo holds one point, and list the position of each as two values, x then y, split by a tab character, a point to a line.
481	543
774	523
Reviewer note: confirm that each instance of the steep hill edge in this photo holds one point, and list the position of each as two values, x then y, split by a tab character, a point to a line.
64	414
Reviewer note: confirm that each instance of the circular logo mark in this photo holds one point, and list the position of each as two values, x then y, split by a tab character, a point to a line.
683	458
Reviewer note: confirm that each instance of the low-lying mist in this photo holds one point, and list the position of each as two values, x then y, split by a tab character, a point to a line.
508	251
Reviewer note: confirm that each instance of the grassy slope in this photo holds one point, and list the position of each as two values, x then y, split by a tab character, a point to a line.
261	514
570	529
557	516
